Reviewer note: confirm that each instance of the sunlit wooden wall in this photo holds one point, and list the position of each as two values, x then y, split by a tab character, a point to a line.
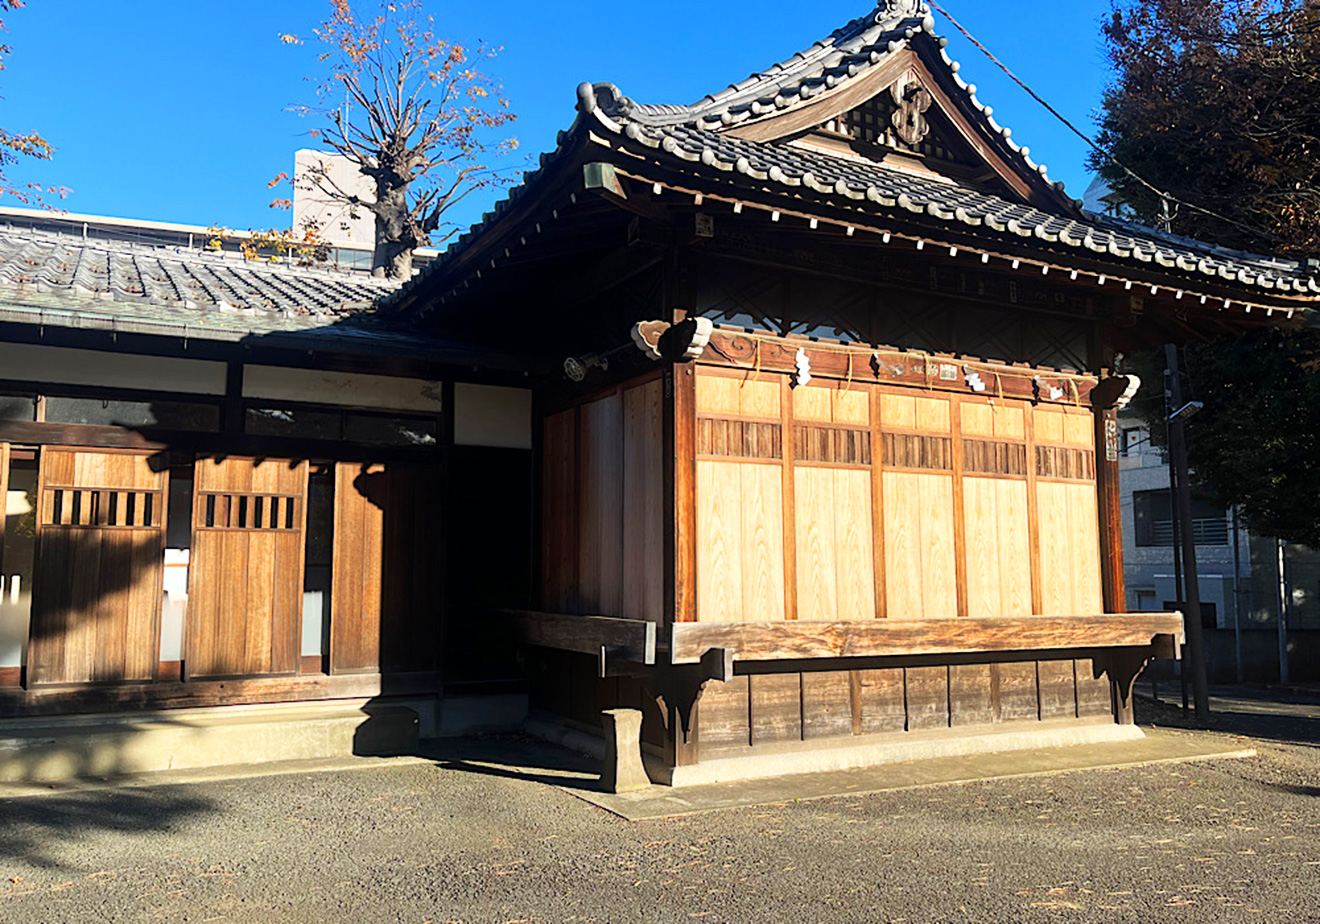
844	501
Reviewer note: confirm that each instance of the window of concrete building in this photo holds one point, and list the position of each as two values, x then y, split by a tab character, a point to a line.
1152	513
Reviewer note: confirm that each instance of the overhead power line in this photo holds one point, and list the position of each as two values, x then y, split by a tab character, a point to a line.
1166	196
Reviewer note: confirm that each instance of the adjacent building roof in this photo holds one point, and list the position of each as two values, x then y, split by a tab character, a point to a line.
707	141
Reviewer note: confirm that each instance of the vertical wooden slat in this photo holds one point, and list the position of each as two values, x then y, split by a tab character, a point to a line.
1110	504
683	444
959	524
643	508
1033	515
791	578
826	705
776	707
878	531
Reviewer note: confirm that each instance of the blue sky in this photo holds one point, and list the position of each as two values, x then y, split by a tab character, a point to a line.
176	111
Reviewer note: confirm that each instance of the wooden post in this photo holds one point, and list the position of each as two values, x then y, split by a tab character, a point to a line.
1110	507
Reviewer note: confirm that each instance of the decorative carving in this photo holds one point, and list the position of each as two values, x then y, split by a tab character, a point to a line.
895	11
911	101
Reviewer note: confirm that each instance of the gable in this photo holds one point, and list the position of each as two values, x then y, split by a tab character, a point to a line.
904	113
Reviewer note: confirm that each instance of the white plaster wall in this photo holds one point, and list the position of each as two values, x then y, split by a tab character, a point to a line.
488	415
61	365
348	389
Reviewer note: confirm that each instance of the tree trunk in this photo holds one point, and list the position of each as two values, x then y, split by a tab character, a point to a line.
395	240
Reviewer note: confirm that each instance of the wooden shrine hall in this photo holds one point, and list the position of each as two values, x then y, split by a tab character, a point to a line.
832	469
786	418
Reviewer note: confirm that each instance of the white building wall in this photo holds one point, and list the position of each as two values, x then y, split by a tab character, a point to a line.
338	222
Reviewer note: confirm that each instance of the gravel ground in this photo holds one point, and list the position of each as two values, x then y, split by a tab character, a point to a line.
1224	841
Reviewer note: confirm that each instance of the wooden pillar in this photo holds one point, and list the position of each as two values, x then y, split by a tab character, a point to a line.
1110	507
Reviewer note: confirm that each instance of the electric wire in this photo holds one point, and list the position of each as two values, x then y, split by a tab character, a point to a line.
1101	151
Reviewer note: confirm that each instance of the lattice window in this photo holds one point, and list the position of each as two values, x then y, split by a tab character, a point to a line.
739	439
930	453
1067	464
873	123
249	512
831	445
100	508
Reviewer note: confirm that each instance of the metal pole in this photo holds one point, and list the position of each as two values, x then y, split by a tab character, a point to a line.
1237	595
1169	408
1283	615
1183	507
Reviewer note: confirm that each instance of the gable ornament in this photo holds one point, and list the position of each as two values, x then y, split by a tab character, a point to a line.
892	11
911	102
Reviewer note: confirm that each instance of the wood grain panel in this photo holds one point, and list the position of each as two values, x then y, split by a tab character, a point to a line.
643	503
933	415
559	516
738	396
759	397
927	697
739	439
98	579
898	412
246	579
1014	548
723	715
1079	429
938	571
1056	572
355	620
853	537
826	705
851	406
1084	548
1058	694
717	394
1017	692
902	526
1094	696
882	704
776	707
817	559
813	403
761	493
1047	422
1010	421
978	420
600	450
998	547
971	700
719	541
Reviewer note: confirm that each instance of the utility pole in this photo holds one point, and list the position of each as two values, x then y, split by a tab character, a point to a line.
1283	615
1182	505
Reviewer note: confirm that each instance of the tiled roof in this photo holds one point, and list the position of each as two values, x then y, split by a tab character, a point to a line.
42	262
695	138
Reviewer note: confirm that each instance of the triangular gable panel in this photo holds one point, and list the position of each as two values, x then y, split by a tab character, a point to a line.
901	108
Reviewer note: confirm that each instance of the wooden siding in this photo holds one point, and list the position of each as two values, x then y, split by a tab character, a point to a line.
98	579
246	576
899	503
602	505
756	710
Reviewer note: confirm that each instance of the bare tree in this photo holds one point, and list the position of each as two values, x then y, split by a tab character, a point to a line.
416	116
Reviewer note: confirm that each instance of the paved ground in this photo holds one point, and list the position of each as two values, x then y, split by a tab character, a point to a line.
1226	841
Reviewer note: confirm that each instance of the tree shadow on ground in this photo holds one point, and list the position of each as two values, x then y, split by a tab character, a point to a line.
1249	714
516	757
36	828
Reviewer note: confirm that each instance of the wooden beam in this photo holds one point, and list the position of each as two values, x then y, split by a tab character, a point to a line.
627	639
775	641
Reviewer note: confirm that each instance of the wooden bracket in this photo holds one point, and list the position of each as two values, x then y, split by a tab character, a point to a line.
681	685
1124	665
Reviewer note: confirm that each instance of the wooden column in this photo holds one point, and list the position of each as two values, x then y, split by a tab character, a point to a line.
1110	506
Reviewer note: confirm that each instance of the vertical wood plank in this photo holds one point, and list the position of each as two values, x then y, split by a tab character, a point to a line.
719	542
826	705
854	557
1110	512
724	716
959	514
762	542
791	580
938	570
1084	549
880	575
903	572
816	556
643	511
970	695
1014	548
1033	517
559	519
882	702
1017	692
776	707
1058	697
982	521
681	457
927	697
1055	550
1094	694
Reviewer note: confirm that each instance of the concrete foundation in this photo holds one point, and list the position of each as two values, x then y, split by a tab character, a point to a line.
852	753
91	747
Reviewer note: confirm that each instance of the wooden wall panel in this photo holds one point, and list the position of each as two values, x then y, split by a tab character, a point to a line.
723	715
971	699
600	504
559	516
719	541
1017	692
826	705
1094	694
355	619
1056	566
776	707
881	701
246	573
927	697
98	582
1058	692
738	396
998	547
853	538
1084	549
817	559
643	502
762	529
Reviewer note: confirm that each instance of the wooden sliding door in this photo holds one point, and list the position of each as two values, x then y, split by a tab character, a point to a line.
100	554
246	577
385	590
